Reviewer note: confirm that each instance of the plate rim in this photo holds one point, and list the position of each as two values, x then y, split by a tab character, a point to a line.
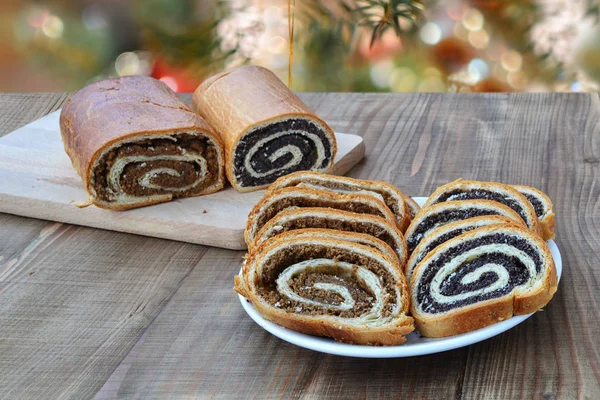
429	346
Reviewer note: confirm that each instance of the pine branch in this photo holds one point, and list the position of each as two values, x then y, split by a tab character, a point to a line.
381	15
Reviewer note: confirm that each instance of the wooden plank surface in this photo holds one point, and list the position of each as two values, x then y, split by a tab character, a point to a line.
37	180
62	329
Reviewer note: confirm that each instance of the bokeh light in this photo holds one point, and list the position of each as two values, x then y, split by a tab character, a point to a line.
511	60
479	39
53	26
431	33
473	19
478	69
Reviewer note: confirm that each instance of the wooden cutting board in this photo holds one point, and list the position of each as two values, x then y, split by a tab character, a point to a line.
37	180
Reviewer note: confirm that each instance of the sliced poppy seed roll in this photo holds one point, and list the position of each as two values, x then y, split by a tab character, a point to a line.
386	192
328	287
446	232
543	208
326	218
481	277
432	217
474	190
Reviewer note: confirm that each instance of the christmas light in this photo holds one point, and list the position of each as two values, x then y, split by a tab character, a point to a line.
431	33
473	20
53	27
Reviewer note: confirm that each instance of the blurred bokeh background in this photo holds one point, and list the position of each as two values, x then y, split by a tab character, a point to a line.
339	45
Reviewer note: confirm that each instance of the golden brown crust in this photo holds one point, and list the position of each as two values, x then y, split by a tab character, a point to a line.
466	321
385	226
533	222
305	197
402	215
356	237
386	335
412	206
236	101
547	221
112	110
482	314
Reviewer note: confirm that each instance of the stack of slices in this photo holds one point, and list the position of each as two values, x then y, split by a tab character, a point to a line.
326	257
479	256
358	260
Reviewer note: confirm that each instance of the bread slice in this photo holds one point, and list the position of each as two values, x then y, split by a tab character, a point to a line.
324	218
386	192
542	205
356	237
481	277
446	232
328	287
474	190
293	197
432	217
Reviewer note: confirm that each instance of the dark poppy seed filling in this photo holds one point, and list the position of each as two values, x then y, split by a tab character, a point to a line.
442	218
517	271
304	282
538	206
482	194
442	239
163	167
271	169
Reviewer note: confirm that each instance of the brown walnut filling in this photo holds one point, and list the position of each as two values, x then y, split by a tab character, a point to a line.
283	203
184	143
340	225
302	284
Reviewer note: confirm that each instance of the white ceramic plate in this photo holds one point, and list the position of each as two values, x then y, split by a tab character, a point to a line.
415	345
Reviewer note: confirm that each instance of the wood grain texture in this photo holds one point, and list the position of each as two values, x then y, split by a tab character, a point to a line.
203	345
37	180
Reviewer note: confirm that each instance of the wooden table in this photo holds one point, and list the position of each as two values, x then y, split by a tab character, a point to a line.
88	313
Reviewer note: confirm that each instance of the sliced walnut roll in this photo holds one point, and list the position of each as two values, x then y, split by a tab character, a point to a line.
135	143
267	130
481	277
401	205
328	287
295	197
295	219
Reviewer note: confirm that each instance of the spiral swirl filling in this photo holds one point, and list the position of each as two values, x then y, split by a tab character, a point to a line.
175	165
279	148
538	206
323	280
483	268
443	217
482	194
303	221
